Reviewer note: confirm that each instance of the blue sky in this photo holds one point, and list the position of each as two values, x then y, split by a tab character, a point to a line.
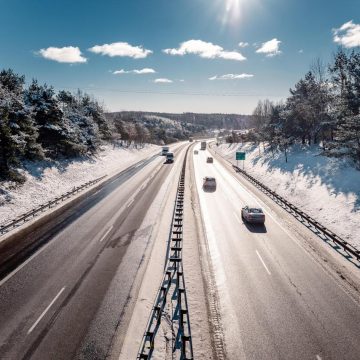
63	43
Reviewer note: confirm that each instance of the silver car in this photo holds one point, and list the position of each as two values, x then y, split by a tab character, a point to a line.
253	214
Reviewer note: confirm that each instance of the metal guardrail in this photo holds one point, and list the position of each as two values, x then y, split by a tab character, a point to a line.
5	228
172	291
296	211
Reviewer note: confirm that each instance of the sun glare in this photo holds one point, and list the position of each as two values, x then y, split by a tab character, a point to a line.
232	10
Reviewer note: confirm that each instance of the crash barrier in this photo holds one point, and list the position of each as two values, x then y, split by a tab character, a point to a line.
296	211
5	228
171	300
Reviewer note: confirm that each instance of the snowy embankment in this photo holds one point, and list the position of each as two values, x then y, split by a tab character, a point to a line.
48	179
326	188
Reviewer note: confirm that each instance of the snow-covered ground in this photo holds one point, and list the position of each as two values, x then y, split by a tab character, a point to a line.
46	180
326	188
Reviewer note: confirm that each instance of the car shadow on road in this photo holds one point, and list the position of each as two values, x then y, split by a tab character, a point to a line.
209	190
255	228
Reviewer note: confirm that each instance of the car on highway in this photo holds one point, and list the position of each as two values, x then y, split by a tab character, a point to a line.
209	160
209	183
169	158
253	214
196	152
165	150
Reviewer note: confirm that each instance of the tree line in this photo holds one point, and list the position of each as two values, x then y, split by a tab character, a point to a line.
134	127
37	123
322	108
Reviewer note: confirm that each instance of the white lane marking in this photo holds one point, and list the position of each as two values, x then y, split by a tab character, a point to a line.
262	261
104	236
130	202
237	218
5	279
45	311
10	275
318	357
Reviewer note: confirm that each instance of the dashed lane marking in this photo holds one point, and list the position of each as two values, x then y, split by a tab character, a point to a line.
46	310
104	236
262	261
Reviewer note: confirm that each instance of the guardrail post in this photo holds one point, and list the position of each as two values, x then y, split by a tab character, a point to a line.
158	314
150	336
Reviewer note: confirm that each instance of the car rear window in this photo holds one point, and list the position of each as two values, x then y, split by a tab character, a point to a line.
255	211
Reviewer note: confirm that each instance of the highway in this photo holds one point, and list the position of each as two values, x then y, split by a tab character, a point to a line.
276	301
70	296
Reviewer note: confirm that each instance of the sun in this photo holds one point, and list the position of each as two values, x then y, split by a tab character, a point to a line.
232	10
233	4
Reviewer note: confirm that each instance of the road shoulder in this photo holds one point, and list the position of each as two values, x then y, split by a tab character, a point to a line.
205	319
346	274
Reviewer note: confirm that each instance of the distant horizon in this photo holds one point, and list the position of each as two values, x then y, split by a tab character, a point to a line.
177	113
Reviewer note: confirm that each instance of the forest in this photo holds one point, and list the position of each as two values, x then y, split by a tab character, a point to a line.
323	108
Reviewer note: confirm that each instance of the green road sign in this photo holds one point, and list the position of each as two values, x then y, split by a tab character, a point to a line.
240	156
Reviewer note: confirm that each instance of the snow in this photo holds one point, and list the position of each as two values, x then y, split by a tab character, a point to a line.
47	179
159	216
326	188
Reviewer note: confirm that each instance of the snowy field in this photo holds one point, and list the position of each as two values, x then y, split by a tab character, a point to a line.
328	189
46	180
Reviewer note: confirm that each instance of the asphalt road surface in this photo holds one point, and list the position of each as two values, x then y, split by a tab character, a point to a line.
276	301
69	297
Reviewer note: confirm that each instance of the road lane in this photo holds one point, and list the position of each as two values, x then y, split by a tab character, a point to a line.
276	301
82	258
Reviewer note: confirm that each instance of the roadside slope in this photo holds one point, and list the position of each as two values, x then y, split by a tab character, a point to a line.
45	180
326	188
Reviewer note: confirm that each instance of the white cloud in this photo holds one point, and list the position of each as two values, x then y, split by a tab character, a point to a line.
231	77
348	35
121	49
145	71
243	44
270	48
204	49
162	81
67	54
135	71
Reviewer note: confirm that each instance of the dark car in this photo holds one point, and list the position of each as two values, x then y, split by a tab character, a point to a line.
209	184
253	214
169	158
209	160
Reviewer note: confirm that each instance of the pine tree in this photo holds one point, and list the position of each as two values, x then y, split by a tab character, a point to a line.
18	133
47	116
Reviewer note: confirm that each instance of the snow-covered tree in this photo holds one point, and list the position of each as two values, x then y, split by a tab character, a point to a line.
18	134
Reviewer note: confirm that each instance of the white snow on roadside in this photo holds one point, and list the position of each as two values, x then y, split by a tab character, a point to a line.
46	180
326	188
